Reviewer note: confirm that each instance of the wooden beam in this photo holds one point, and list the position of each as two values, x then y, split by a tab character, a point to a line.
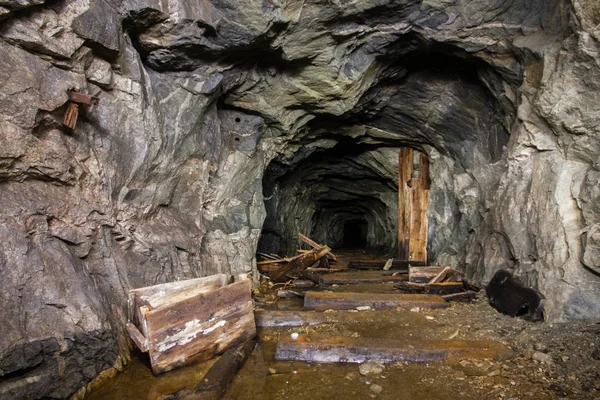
359	350
431	288
298	263
380	301
405	170
462	296
276	319
218	379
355	277
138	338
418	218
423	274
397	265
440	277
70	119
315	245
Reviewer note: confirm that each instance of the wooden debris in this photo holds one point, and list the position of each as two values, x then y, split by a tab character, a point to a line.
217	380
315	245
431	288
355	277
423	274
359	350
441	276
397	265
182	322
289	294
461	296
388	264
345	301
274	318
268	256
76	98
303	283
300	262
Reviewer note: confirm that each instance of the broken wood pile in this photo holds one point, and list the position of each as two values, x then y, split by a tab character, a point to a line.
438	280
283	269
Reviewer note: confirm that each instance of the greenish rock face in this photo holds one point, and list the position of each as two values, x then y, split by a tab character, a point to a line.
228	126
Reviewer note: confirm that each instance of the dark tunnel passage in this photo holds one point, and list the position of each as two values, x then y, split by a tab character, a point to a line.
339	183
355	234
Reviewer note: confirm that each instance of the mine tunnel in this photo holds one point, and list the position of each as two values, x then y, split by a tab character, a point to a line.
299	199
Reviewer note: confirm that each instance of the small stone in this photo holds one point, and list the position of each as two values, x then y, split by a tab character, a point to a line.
371	368
295	335
461	376
540	347
272	371
415	309
429	317
542	357
376	389
363	308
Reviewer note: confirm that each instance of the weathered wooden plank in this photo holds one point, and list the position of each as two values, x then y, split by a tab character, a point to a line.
70	119
356	277
300	262
345	301
423	274
138	338
217	380
200	327
315	245
440	277
466	296
289	294
167	293
397	265
83	98
358	350
405	170
431	288
418	218
275	318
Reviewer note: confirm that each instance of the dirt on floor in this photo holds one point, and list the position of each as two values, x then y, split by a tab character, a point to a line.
545	360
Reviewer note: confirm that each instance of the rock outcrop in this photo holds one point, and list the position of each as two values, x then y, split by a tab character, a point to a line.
218	118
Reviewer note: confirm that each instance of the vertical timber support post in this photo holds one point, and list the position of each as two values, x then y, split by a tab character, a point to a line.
420	198
405	169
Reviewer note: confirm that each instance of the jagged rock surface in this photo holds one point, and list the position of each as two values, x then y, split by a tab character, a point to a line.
163	180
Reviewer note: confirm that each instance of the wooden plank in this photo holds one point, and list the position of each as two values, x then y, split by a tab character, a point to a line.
138	338
431	288
461	296
200	327
440	277
70	118
346	301
158	295
397	265
300	262
83	98
405	170
359	350
275	318
418	217
423	274
289	294
218	379
315	245
356	277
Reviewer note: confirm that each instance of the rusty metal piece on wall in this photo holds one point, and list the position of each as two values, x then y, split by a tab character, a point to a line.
76	98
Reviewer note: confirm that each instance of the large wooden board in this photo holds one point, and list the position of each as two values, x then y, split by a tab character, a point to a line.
405	169
420	199
359	350
380	301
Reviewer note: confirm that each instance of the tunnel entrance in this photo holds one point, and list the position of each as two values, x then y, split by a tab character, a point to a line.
355	234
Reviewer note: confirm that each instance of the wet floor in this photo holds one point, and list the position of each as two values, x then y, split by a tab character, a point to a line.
263	377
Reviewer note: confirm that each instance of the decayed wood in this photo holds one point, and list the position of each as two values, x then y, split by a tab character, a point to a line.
315	245
397	265
275	261
268	256
423	274
289	294
358	350
70	119
83	98
303	283
217	380
300	262
355	277
345	301
275	318
199	327
468	295
431	288
168	293
138	338
440	277
418	218
405	170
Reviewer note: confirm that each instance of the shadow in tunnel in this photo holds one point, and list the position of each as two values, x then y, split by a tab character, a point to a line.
355	234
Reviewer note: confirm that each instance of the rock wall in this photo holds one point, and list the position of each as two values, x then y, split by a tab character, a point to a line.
163	179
